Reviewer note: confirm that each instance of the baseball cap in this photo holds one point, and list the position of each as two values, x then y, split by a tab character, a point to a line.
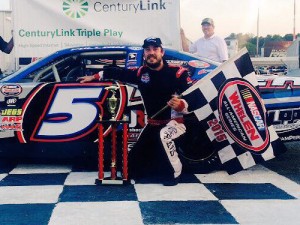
207	21
154	41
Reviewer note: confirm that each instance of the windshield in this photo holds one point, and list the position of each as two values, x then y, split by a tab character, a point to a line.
8	76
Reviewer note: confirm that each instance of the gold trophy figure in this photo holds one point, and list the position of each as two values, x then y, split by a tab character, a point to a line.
113	101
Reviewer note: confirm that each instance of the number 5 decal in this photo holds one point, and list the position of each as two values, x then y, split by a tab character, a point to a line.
70	114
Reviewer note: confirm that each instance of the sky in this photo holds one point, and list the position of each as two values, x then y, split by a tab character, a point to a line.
235	16
240	16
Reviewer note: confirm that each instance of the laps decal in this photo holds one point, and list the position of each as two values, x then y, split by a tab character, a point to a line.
243	115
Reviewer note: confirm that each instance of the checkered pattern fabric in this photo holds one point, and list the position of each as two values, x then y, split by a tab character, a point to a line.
203	98
53	194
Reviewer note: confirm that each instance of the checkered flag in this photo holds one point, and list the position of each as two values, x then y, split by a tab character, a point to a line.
228	106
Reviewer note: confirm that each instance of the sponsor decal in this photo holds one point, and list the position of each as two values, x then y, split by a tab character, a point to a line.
11	112
11	119
203	71
131	64
132	56
75	9
11	90
198	64
121	6
145	78
290	138
13	127
137	121
135	48
133	136
281	83
11	101
243	115
177	62
285	120
132	67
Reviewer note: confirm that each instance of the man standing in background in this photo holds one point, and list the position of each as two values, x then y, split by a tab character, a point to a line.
210	46
6	47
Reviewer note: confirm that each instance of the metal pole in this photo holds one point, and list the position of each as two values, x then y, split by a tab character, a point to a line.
113	167
294	29
100	152
257	35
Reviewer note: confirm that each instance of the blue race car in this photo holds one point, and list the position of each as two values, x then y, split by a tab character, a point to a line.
45	111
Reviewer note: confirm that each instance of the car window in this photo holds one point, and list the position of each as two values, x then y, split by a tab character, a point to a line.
197	67
69	68
96	61
179	60
54	71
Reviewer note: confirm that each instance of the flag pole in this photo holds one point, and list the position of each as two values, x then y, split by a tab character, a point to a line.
163	109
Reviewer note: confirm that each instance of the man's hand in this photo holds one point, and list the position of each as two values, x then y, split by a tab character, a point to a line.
176	103
86	79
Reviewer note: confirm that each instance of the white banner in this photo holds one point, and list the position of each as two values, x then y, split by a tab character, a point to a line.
42	27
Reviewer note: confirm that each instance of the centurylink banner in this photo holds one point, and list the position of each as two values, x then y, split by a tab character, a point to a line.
42	27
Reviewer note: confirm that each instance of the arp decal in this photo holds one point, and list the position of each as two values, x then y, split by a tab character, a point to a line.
11	90
67	112
243	115
13	123
11	119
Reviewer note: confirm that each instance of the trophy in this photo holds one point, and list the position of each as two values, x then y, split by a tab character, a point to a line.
112	105
113	101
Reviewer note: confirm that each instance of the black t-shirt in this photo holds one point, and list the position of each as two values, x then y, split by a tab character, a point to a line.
156	87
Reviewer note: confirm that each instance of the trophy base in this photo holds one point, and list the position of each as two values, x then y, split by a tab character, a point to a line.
109	181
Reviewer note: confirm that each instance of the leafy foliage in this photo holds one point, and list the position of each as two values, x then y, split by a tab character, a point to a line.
250	41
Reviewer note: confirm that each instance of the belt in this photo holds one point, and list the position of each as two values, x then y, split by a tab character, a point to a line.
163	122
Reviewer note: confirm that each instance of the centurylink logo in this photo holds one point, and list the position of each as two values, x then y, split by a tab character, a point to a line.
75	8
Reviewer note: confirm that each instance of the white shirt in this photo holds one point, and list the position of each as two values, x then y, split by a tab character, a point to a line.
213	48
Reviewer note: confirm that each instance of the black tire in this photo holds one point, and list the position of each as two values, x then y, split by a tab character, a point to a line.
196	151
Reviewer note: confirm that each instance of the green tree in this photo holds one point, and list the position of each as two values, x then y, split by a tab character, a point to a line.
288	37
251	49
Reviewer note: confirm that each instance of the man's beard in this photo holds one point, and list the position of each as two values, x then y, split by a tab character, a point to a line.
153	65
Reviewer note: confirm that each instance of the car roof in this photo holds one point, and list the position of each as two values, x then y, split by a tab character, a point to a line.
90	49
